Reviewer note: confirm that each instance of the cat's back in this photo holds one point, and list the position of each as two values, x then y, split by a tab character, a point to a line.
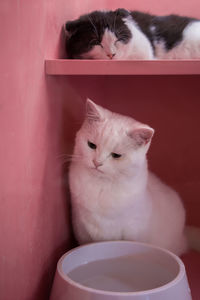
164	197
171	36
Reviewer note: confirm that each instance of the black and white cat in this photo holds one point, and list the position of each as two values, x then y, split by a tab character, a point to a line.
123	34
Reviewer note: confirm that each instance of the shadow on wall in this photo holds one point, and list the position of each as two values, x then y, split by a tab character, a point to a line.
52	235
62	41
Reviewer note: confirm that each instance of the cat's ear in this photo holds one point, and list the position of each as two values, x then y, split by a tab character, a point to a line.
93	111
142	136
71	27
122	12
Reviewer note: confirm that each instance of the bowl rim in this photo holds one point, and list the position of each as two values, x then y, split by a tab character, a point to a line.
178	278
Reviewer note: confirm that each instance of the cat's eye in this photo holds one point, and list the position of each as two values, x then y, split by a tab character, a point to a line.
91	145
118	40
123	38
115	155
97	43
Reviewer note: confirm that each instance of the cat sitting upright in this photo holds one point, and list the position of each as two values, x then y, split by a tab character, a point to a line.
114	195
123	34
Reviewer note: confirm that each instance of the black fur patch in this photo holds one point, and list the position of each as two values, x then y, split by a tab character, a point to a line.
167	28
88	30
170	29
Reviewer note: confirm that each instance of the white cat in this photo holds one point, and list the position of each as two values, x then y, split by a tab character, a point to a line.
114	196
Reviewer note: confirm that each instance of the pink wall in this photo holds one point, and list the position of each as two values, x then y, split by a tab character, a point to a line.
34	217
38	120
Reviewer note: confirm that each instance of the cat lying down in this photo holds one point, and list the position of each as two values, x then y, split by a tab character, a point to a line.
123	34
114	195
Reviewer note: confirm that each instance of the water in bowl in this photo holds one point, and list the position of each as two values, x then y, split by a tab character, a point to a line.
124	274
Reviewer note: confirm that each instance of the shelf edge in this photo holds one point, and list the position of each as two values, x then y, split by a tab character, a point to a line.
124	67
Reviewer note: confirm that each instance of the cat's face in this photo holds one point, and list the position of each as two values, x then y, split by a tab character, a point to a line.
99	35
111	145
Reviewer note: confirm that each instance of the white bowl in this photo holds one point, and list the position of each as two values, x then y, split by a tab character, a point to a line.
120	270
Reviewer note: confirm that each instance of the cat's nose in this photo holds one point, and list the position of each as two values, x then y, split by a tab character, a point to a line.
111	55
97	163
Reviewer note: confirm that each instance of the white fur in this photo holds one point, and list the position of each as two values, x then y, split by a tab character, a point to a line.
139	46
121	199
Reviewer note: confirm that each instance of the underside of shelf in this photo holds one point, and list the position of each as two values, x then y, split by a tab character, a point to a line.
122	67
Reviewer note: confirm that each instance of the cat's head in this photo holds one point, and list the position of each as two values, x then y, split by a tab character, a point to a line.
110	144
98	35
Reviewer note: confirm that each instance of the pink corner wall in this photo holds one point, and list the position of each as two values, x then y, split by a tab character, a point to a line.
38	119
34	215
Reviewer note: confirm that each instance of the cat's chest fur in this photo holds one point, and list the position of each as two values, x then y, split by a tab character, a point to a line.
105	196
105	209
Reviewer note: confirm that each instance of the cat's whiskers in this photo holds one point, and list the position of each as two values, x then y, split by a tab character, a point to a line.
66	158
114	23
94	27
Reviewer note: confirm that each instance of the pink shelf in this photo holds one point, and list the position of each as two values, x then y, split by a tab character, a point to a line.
123	67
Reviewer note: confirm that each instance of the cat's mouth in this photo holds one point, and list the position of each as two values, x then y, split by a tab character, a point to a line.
96	169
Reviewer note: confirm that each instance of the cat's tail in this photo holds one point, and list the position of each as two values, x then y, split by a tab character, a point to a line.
193	237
